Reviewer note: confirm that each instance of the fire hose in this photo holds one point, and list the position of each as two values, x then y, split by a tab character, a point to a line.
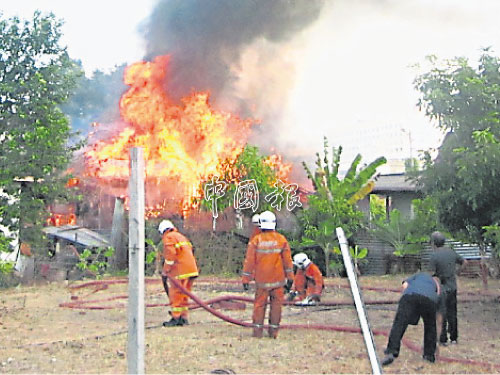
206	306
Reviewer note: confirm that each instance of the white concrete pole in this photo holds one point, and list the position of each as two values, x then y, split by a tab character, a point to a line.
360	308
135	348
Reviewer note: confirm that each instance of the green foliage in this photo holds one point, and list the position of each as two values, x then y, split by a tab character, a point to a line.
398	233
463	178
333	204
425	220
6	267
492	237
36	77
357	254
4	243
250	165
377	209
151	254
95	99
96	262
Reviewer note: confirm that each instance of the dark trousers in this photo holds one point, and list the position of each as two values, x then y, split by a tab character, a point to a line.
410	308
450	322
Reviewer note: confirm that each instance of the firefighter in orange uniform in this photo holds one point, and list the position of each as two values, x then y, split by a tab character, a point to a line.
181	265
269	262
256	225
308	284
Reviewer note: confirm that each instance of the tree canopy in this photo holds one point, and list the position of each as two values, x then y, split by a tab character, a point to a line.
465	101
36	77
95	99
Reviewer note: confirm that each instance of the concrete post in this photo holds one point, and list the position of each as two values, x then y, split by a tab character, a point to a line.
135	348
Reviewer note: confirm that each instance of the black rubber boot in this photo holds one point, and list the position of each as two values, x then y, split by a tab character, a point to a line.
388	359
429	358
184	321
173	323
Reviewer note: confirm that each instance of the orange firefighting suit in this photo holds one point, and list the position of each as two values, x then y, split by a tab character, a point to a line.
308	282
181	265
269	262
255	232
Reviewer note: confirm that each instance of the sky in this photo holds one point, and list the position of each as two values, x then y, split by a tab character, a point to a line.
101	34
347	76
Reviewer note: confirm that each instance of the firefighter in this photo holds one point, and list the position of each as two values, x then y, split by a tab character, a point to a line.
269	262
181	265
308	284
256	225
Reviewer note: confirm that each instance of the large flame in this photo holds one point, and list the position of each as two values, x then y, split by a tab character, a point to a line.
183	143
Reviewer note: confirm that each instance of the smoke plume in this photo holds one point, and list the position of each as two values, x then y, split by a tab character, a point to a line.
207	38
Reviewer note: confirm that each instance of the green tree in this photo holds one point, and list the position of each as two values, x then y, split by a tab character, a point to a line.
250	165
334	202
95	99
36	77
465	102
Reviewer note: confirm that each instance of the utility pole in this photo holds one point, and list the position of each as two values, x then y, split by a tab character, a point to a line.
135	348
409	141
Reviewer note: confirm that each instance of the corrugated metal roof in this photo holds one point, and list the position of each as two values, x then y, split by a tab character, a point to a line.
393	182
77	235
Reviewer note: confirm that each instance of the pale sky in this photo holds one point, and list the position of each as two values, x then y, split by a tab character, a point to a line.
350	76
100	33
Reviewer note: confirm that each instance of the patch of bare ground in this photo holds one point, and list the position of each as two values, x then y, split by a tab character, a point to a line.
39	336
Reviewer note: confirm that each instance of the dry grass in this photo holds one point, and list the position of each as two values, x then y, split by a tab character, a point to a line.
38	336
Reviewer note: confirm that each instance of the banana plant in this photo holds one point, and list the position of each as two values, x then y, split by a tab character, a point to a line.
334	202
357	255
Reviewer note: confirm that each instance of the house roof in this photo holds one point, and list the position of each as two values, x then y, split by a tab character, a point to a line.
77	235
393	183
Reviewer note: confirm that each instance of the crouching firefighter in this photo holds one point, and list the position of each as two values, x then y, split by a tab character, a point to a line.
308	284
179	264
268	260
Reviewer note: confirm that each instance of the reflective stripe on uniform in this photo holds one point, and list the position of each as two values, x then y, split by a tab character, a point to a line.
288	270
179	309
186	275
246	274
179	244
268	251
258	325
169	262
270	285
276	326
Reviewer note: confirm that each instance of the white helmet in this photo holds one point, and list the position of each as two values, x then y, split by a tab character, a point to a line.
256	220
165	225
267	220
301	260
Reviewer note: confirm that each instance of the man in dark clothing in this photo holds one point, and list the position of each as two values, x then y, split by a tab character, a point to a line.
420	299
443	265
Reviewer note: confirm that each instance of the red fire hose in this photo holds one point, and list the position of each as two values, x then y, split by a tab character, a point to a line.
101	285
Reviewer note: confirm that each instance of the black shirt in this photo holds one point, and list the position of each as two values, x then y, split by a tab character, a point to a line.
443	263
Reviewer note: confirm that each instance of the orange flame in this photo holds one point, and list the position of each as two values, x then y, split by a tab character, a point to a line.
183	143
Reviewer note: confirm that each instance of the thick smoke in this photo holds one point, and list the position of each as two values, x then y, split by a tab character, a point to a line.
206	38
